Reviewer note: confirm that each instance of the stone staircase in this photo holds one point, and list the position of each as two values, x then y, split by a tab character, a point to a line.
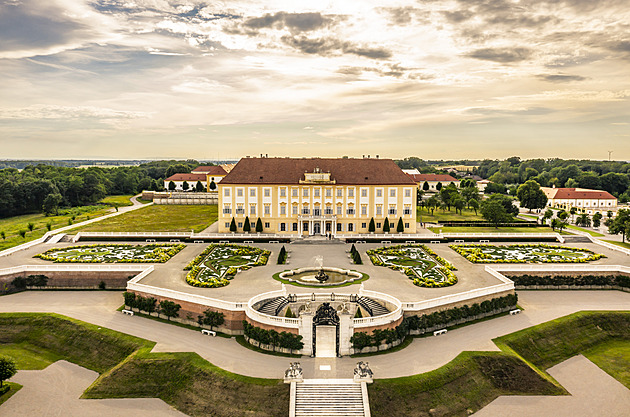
317	240
329	398
372	307
272	306
576	239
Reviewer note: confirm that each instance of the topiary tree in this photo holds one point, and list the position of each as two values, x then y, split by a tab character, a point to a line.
7	369
372	226
3	234
425	186
401	226
22	233
185	186
199	187
171	186
246	226
213	318
169	309
438	186
233	225
386	227
213	185
259	226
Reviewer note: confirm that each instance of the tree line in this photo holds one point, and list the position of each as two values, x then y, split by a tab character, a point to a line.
46	188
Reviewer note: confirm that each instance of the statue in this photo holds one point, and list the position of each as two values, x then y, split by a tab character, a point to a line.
294	373
344	308
322	276
363	373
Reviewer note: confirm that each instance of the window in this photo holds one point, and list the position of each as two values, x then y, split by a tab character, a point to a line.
407	193
283	210
378	225
364	192
350	192
406	225
305	192
363	225
227	225
407	210
294	192
328	192
316	191
227	209
364	210
392	210
379	210
295	210
350	210
339	192
328	211
226	192
267	210
295	227
392	192
240	209
305	210
252	209
379	193
240	224
253	225
339	210
252	192
283	192
283	227
267	225
239	192
267	192
305	227
339	227
317	211
350	227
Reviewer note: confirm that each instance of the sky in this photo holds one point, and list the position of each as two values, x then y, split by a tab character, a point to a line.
436	79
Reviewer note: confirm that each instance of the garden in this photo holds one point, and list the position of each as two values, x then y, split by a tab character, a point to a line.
418	262
119	253
525	253
218	264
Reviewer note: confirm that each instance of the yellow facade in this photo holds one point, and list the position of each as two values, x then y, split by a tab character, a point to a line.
317	206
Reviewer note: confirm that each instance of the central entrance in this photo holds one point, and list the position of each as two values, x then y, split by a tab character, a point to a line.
317	228
326	332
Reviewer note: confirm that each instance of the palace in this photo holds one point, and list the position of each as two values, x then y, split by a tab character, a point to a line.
316	196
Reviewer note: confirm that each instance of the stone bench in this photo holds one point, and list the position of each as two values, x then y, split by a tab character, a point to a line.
128	312
274	241
386	241
150	240
516	311
409	242
223	242
175	240
439	332
436	241
459	241
198	241
484	241
248	241
208	332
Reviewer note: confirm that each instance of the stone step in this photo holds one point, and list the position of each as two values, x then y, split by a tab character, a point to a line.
329	398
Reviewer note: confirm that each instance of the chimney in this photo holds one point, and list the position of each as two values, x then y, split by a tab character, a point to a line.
376	156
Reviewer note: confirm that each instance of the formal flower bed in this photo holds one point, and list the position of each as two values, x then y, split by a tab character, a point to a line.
119	253
217	264
418	262
525	253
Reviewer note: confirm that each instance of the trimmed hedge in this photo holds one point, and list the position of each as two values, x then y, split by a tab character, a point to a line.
572	281
284	340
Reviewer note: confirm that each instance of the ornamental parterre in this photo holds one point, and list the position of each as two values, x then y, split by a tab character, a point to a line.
418	262
118	253
525	253
218	264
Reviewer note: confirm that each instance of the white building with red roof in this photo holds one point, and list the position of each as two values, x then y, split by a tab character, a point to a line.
590	201
190	179
433	180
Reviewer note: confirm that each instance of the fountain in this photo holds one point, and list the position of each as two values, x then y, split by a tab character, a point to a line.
322	276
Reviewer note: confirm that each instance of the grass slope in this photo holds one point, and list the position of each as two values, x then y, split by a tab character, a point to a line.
590	232
490	229
613	357
158	218
117	200
622	244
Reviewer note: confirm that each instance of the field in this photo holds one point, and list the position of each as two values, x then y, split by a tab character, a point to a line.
158	218
129	370
524	253
12	225
490	229
439	215
113	253
116	200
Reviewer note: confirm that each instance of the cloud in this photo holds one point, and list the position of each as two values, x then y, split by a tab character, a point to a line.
458	16
298	22
560	78
331	46
401	16
52	112
501	55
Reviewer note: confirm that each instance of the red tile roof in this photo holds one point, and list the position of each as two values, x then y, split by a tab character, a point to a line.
187	177
210	169
346	171
432	177
581	194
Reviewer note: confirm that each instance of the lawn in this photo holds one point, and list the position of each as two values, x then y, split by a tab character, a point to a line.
158	218
117	200
493	230
524	253
622	244
613	357
590	232
129	370
12	225
439	215
157	252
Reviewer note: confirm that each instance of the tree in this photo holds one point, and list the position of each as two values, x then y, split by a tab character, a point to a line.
548	215
246	226
22	233
7	369
51	204
171	186
169	309
473	204
149	305
572	210
438	186
558	224
583	220
213	186
401	226
233	225
470	193
199	187
531	196
425	186
185	186
30	226
213	318
3	234
448	195
597	219
459	203
386	227
620	224
493	211
432	203
259	226
372	226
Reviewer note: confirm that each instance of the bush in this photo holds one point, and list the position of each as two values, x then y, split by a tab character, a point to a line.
283	340
282	256
572	281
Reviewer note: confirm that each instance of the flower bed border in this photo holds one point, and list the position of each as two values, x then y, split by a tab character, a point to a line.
459	249
175	249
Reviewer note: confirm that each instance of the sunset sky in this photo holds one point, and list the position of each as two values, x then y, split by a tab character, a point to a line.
435	79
